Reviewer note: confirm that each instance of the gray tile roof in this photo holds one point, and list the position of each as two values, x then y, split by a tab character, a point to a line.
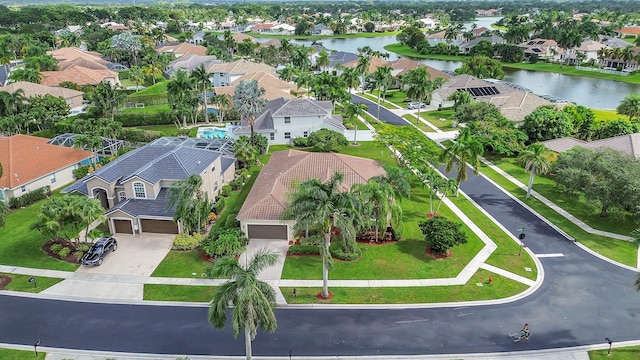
341	57
226	162
294	107
146	207
628	144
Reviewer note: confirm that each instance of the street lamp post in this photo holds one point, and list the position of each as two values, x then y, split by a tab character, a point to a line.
33	280
521	236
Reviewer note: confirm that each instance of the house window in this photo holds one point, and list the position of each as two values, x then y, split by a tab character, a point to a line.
139	192
53	178
287	135
287	120
272	136
122	196
305	134
23	188
213	168
215	186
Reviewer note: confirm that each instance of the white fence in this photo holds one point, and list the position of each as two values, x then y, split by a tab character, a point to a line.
603	71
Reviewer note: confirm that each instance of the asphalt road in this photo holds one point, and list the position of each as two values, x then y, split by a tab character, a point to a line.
582	300
385	114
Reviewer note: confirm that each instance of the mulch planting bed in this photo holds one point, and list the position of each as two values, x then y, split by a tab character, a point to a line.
437	256
4	281
69	258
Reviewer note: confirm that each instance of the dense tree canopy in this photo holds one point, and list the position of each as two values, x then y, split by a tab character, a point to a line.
546	123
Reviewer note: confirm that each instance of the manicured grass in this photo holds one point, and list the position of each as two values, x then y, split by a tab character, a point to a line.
406	51
20	246
311	37
178	293
602	114
622	251
21	283
146	109
156	89
618	223
506	255
623	353
435	117
11	354
501	288
370	150
569	70
397	97
421	125
182	264
374	98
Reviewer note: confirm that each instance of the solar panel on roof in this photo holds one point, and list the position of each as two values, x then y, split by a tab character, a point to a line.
540	42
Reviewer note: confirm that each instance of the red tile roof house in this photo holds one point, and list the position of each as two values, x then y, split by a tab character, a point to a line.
30	163
261	215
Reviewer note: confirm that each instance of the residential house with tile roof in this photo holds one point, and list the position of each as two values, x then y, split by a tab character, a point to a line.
493	39
628	144
261	215
286	119
133	188
240	37
225	74
403	66
588	50
73	97
544	48
182	49
190	62
274	87
626	31
321	29
80	75
29	163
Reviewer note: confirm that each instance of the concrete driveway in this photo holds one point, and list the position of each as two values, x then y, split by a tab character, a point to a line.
136	256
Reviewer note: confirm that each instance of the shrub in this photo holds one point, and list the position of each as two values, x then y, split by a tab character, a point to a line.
442	234
82	247
64	252
226	189
219	205
337	251
30	197
326	140
144	118
300	142
139	135
236	183
80	172
225	242
187	242
231	221
303	250
78	254
55	248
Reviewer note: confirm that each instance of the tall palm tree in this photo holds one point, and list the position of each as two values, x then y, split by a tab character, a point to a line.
535	160
184	195
630	106
323	61
353	112
465	150
627	55
322	203
244	151
288	72
248	101
202	77
223	102
460	97
136	74
383	78
26	74
303	79
350	76
179	93
253	300
379	203
364	61
420	87
12	103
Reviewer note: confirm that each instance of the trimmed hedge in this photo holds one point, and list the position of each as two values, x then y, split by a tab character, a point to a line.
336	252
139	135
144	118
148	99
30	197
187	242
303	250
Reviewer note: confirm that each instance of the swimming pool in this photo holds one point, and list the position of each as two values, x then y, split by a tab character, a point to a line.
211	133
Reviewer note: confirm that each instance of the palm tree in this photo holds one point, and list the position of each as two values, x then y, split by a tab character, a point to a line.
253	300
179	93
248	101
627	55
107	98
466	149
460	97
288	72
4	208
383	78
89	212
184	196
420	88
12	103
353	112
300	58
318	203
201	76
223	103
350	76
303	79
364	61
244	151
379	203
26	74
535	160
630	106
136	74
323	60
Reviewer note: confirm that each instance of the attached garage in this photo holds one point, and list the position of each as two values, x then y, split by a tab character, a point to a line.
267	232
123	226
158	226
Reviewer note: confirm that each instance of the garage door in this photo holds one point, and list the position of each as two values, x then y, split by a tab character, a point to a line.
159	226
123	226
267	232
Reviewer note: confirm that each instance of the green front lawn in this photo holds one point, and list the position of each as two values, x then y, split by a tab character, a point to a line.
569	70
21	283
156	89
623	353
408	52
441	119
578	207
622	251
182	264
11	354
20	246
397	97
312	37
607	114
501	288
421	125
178	293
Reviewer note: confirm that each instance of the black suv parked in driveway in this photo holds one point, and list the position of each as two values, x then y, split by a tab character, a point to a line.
98	251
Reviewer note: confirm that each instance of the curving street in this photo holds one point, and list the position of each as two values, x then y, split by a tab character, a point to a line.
582	300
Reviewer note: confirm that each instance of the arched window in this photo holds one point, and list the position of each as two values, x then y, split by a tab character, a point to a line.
139	192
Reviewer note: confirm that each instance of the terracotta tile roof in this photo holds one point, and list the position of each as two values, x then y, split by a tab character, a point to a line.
628	144
375	63
274	87
405	65
241	67
31	89
183	48
77	75
629	30
275	42
89	63
70	53
268	197
240	37
25	158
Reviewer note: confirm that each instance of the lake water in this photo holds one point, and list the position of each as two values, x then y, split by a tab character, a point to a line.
595	93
